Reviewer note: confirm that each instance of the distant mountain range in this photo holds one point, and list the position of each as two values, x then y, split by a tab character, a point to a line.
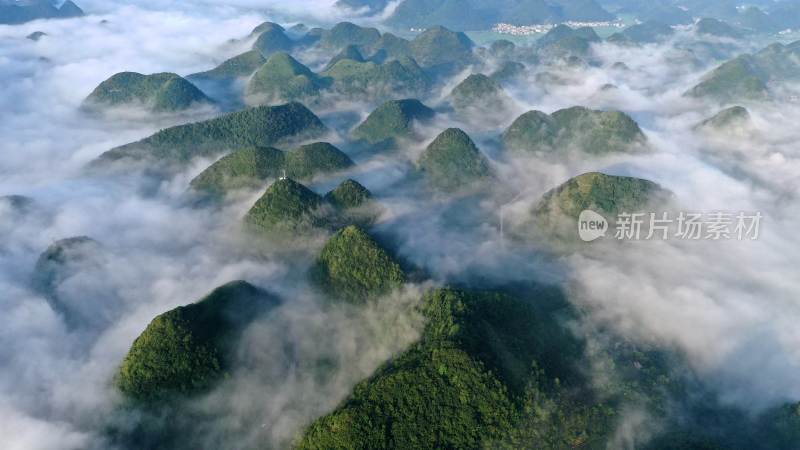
758	15
480	15
13	12
765	16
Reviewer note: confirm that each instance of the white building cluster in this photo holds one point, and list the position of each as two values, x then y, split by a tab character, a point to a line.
527	30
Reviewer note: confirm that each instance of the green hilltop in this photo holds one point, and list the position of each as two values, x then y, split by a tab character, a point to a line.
186	350
397	77
17	203
480	92
349	194
598	131
479	377
372	6
452	162
271	39
310	38
160	92
441	50
18	12
36	36
735	116
250	167
261	126
643	33
354	268
737	79
509	71
286	207
393	119
502	48
591	131
350	52
561	31
605	194
354	205
317	158
563	42
347	33
391	46
533	129
476	15
239	66
247	168
61	261
282	78
266	27
290	209
748	76
713	27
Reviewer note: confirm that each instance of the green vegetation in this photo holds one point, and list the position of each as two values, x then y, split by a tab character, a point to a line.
250	167
713	27
665	13
186	350
452	161
738	79
534	129
271	39
354	205
509	71
391	46
350	52
14	12
239	66
286	207
317	158
393	119
354	268
563	42
372	6
502	48
262	127
570	48
283	79
594	132
476	15
470	382
500	370
398	77
779	63
480	92
554	218
440	49
61	261
247	168
266	27
597	131
36	36
349	194
160	92
605	194
781	426
643	33
560	32
346	33
17	203
747	77
735	116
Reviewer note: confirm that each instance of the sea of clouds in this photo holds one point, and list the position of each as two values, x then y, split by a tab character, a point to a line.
730	307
